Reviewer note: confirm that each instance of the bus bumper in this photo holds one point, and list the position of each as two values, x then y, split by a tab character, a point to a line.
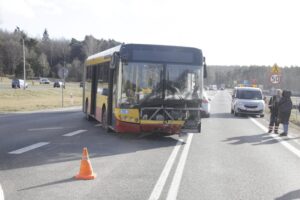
166	129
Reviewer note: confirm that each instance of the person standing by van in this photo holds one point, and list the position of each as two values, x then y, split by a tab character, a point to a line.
285	107
273	106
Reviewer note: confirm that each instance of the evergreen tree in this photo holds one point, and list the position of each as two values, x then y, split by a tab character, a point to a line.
46	37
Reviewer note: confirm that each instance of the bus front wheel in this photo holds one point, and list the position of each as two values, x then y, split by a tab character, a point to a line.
199	127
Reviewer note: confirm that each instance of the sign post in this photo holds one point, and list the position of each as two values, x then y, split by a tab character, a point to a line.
275	77
63	74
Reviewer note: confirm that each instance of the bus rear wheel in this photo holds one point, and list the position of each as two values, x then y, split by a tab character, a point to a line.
87	116
104	119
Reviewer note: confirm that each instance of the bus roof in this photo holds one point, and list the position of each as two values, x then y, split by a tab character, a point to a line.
103	56
149	53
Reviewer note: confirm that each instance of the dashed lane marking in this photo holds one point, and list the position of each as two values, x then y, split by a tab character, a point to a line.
44	129
29	148
284	143
165	173
74	133
173	191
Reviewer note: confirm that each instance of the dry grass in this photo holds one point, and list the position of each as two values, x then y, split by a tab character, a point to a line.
37	96
295	117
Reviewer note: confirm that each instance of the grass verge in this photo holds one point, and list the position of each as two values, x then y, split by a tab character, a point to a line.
37	97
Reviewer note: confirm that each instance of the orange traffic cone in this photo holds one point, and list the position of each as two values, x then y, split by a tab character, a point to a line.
86	170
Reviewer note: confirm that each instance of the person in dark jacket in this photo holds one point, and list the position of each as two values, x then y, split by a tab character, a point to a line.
273	106
285	107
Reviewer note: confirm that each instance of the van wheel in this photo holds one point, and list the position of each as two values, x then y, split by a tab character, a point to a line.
235	113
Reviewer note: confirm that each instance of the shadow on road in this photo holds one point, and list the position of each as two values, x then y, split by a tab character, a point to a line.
227	116
261	139
290	196
51	183
64	149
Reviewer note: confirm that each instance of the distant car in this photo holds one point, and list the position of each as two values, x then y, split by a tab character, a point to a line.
213	87
18	83
58	84
44	81
247	101
205	105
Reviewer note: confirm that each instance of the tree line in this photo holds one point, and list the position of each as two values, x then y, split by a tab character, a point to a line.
45	56
259	75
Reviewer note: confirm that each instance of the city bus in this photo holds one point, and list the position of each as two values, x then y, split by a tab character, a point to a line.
139	88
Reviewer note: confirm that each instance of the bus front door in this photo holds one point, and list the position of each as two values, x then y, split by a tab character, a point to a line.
94	90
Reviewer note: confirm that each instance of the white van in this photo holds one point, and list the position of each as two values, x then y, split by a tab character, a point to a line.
248	101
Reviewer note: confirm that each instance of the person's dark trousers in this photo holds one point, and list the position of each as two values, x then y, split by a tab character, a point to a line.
285	122
273	121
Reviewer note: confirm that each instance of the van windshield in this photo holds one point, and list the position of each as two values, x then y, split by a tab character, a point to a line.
249	94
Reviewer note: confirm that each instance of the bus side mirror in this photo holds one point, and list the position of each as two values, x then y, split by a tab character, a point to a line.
204	68
115	58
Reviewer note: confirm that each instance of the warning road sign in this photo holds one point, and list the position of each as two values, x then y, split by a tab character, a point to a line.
275	69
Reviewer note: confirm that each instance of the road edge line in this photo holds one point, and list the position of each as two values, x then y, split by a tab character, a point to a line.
156	192
173	190
281	141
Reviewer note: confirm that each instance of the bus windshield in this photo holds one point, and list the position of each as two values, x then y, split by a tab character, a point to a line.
182	82
153	83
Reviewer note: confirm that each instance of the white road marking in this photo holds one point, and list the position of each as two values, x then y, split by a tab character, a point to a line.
28	148
44	129
284	143
74	133
98	125
1	193
165	173
173	191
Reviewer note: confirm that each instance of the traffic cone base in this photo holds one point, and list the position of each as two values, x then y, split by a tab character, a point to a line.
86	170
89	177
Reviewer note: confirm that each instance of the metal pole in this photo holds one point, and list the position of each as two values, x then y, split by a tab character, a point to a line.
24	69
62	89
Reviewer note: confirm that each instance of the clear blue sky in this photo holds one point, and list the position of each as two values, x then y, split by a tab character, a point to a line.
243	32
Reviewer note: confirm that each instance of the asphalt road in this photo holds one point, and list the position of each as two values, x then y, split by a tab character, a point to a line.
233	158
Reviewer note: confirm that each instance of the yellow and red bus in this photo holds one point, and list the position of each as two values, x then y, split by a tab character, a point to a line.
138	88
